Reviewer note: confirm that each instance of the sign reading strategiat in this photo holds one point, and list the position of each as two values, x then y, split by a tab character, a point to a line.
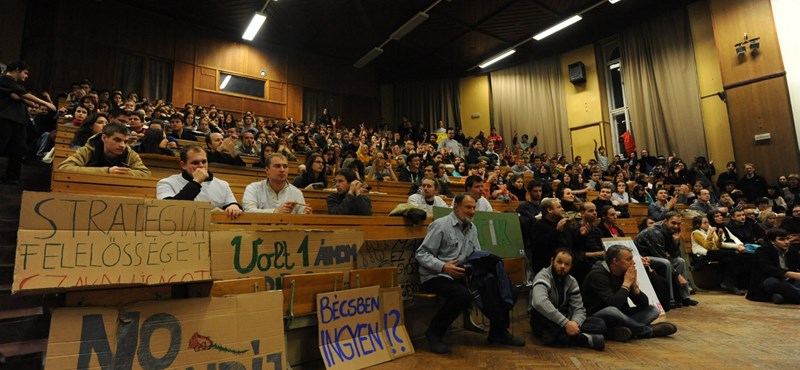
361	327
247	253
70	240
235	332
499	233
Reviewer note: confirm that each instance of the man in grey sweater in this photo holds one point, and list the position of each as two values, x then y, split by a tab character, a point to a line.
558	317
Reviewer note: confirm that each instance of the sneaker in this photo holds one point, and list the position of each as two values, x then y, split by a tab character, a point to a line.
663	329
777	298
619	334
436	344
506	339
596	341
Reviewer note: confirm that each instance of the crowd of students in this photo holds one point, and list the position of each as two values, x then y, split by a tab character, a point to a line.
560	225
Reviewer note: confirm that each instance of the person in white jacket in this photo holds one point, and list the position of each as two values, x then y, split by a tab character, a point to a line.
275	194
429	197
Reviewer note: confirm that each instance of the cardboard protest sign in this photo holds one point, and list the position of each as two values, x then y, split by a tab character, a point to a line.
394	323
246	253
70	240
499	233
641	273
235	332
361	327
394	253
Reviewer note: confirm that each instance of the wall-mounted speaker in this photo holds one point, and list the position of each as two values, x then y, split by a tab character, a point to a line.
577	72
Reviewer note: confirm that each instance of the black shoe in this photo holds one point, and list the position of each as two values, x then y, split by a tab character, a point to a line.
777	298
675	304
436	344
506	339
663	329
619	334
689	302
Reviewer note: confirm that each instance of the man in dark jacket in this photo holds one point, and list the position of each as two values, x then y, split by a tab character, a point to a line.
606	291
547	235
776	271
14	117
348	199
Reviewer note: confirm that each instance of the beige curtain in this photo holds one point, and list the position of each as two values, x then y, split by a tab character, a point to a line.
660	82
530	98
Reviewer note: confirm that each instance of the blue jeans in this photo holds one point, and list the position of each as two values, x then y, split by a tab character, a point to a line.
638	321
789	289
676	264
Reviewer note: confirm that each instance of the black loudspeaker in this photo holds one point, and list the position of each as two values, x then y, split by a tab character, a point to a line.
577	72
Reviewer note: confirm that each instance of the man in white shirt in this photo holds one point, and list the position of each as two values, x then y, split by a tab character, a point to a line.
195	182
275	194
474	187
428	198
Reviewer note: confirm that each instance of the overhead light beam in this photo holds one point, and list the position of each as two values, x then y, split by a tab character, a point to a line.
566	23
497	58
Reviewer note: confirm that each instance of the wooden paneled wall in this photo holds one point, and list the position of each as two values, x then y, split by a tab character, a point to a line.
758	96
67	41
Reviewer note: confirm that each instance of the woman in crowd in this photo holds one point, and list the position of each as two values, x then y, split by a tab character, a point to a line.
461	170
608	223
707	245
564	194
623	199
154	141
90	127
314	172
381	169
517	187
775	199
646	223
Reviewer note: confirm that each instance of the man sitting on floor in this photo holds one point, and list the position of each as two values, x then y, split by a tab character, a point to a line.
195	182
107	152
348	199
450	240
776	270
557	315
606	291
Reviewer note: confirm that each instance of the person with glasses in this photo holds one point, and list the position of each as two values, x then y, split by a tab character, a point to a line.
314	172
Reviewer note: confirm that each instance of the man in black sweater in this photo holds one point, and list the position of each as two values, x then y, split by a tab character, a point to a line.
606	290
776	270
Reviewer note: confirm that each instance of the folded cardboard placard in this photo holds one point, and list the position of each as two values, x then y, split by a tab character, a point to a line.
361	327
235	332
272	253
70	241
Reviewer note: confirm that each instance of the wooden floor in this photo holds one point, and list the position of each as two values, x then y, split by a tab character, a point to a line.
723	332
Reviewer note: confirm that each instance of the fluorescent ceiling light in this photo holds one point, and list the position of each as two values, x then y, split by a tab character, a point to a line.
614	66
255	25
610	1
570	21
368	57
409	26
497	58
225	82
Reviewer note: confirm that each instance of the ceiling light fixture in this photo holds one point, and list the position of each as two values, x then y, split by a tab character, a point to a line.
368	57
497	58
566	23
409	26
255	24
610	1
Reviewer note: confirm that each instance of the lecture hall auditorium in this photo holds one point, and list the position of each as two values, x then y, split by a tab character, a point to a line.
682	79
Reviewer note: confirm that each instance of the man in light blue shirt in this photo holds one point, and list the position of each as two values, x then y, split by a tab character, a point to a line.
450	240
